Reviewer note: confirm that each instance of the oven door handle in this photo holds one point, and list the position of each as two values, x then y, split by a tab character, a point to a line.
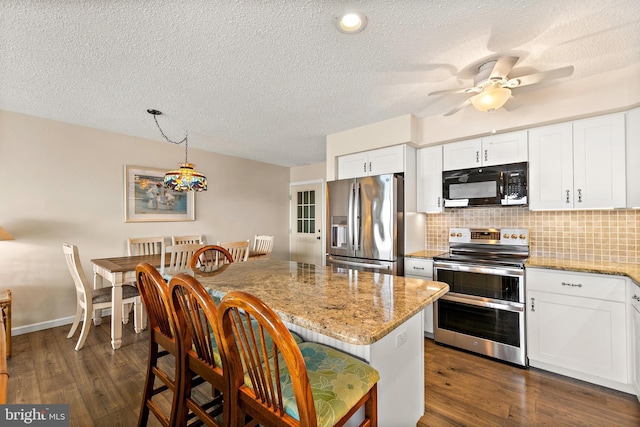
517	307
502	271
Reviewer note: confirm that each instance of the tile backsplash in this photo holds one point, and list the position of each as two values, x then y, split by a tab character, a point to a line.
600	235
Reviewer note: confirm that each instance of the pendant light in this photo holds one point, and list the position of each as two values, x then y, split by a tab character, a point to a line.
186	178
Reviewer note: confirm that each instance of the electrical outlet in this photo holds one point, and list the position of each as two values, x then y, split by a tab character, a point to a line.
401	338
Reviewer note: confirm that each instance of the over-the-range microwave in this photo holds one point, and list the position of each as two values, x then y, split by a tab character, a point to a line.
503	185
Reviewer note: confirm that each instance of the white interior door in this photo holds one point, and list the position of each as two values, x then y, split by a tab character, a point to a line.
307	222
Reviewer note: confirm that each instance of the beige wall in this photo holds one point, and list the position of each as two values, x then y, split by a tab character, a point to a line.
599	235
314	172
65	183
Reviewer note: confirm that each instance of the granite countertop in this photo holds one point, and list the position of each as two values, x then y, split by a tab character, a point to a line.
619	269
426	253
351	306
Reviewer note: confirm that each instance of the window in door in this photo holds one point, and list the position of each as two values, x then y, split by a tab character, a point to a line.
306	208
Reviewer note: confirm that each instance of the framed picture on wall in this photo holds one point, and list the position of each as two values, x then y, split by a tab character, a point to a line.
146	199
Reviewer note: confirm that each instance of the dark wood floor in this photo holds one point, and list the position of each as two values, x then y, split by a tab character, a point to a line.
463	389
103	386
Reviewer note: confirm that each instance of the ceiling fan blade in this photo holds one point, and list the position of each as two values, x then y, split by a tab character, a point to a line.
446	91
542	76
503	67
458	108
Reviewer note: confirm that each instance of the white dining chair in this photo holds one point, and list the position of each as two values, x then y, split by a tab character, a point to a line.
238	250
263	244
88	299
145	245
183	240
179	257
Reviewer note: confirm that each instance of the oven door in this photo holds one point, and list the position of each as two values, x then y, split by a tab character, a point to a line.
483	311
484	327
500	283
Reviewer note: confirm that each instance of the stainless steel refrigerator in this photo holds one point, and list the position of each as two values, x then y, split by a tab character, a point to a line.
366	223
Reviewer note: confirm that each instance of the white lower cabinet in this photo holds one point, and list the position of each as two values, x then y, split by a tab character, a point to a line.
576	326
634	297
422	268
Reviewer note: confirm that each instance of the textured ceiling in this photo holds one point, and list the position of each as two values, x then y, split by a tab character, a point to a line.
268	80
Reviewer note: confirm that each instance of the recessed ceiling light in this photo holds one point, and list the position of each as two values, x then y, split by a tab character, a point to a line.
351	21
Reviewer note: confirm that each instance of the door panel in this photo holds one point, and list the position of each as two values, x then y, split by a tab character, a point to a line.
307	208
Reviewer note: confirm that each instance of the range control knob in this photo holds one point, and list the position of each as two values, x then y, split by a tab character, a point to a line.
514	236
459	235
506	236
522	236
453	234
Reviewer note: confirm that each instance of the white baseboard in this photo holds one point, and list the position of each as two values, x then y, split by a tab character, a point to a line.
20	330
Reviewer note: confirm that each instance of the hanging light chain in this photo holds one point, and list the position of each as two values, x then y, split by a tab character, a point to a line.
185	139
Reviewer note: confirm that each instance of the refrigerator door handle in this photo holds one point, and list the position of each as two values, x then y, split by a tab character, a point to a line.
350	217
356	218
360	264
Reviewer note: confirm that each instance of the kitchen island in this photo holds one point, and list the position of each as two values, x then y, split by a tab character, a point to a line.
375	317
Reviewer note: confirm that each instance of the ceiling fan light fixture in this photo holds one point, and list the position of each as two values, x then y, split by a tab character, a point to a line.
351	22
491	98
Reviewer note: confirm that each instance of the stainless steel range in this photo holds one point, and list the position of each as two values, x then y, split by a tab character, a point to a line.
484	310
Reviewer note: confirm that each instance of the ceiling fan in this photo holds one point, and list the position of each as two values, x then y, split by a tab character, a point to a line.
492	85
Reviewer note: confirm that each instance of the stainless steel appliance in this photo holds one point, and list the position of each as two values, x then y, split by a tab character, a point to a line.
504	185
484	310
366	223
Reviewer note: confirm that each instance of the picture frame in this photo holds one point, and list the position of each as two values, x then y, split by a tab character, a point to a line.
147	200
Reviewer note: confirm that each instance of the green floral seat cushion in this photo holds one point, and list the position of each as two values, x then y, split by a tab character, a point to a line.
338	381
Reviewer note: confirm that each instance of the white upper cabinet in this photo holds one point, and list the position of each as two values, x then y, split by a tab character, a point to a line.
599	162
633	158
578	165
497	149
374	162
429	179
551	167
462	155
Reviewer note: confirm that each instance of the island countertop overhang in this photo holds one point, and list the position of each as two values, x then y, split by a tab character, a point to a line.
352	306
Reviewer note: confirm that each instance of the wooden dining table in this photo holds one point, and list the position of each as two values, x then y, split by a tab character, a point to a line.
117	271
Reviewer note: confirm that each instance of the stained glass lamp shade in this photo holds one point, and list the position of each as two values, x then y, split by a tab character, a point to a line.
185	179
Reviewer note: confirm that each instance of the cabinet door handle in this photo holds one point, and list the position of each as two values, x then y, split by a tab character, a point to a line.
369	166
477	157
533	304
575	285
635	297
486	156
567	200
364	167
579	195
438	201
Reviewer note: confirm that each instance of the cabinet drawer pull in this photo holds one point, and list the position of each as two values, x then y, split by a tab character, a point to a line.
418	268
635	297
533	304
579	195
578	285
567	200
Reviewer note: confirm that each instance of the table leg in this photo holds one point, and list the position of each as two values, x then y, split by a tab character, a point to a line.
116	313
97	284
